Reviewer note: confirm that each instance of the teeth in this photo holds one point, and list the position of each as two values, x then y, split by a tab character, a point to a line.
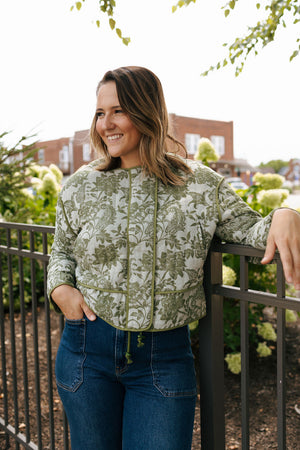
114	137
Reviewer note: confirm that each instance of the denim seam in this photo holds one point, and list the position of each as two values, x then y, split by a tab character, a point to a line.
165	392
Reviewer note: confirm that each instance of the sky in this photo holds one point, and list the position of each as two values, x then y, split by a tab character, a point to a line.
52	60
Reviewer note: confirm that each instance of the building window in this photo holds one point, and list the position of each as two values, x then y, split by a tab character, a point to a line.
86	152
41	156
64	158
219	144
191	142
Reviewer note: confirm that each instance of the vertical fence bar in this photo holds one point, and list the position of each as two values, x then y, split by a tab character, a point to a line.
211	351
281	381
35	342
49	347
3	356
13	338
64	416
24	339
244	327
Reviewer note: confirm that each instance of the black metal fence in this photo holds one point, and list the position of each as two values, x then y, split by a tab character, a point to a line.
31	415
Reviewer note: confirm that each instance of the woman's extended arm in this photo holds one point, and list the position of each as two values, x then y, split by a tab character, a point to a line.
279	230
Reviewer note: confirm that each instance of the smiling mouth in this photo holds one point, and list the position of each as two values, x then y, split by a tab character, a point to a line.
114	137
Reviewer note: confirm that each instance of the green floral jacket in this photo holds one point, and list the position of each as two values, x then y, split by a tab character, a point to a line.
135	248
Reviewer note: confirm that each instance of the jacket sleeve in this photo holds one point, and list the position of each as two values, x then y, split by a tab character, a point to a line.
238	223
61	268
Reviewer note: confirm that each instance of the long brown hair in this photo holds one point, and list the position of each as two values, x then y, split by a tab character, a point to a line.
141	96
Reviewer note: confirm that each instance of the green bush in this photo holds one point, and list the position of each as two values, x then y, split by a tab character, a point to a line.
263	197
31	193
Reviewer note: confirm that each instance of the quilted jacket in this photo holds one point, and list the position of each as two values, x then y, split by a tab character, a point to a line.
135	247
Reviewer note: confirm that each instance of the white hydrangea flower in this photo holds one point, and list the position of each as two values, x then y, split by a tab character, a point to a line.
234	362
290	315
272	198
268	180
229	275
263	350
49	185
266	331
57	172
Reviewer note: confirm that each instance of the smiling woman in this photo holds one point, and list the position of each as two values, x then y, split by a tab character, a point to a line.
126	269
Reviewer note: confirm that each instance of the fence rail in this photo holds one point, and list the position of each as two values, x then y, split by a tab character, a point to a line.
35	420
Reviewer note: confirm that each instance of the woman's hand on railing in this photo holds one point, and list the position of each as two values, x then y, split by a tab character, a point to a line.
71	303
284	235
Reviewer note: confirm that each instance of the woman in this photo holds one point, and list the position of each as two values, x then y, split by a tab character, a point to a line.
126	270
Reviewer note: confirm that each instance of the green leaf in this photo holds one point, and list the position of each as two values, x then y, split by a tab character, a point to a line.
126	41
232	4
119	32
98	23
296	53
257	5
112	23
78	5
227	12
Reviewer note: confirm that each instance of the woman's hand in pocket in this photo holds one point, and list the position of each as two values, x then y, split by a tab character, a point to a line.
71	303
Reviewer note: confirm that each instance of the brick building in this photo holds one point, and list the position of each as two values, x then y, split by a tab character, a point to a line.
71	153
292	172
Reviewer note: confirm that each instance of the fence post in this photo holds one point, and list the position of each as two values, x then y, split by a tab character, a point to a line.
211	353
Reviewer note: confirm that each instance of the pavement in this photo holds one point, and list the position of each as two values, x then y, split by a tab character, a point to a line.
293	200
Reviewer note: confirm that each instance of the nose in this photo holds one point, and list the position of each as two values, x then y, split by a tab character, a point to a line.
108	122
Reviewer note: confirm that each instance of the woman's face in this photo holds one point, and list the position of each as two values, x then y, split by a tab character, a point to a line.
115	127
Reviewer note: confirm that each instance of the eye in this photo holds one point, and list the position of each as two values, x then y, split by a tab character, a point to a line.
99	114
118	111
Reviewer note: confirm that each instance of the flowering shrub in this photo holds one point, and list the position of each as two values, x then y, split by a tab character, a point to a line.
35	203
265	195
206	152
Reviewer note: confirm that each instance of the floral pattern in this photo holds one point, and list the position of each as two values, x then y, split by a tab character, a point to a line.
135	247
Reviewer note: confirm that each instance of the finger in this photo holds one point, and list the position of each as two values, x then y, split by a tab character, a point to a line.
88	312
296	266
287	263
269	252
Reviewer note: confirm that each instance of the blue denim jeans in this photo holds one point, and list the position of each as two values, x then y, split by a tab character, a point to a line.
112	405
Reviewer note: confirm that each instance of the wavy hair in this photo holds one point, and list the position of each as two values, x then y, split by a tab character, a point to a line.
141	97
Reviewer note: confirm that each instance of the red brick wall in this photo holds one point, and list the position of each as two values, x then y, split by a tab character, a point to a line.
180	125
51	150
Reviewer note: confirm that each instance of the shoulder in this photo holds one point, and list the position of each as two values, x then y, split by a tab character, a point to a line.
82	173
203	174
80	180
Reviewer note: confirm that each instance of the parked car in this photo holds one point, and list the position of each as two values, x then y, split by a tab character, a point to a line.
237	183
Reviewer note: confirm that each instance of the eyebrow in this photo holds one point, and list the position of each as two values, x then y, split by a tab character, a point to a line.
113	107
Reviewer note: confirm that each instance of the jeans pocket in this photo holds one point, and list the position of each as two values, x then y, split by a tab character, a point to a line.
173	368
71	355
